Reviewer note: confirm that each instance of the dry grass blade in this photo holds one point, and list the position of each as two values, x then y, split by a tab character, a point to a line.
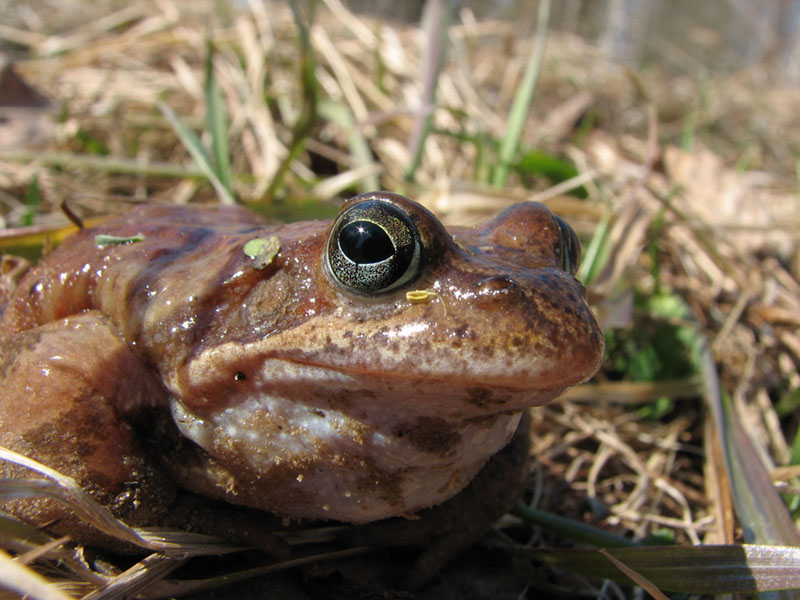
170	588
16	577
137	579
634	392
38	552
365	171
65	489
436	19
636	577
103	164
30	240
718	488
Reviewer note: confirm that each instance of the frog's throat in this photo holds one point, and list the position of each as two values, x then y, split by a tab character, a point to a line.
292	458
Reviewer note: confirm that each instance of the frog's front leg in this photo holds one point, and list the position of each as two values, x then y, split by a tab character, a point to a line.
72	394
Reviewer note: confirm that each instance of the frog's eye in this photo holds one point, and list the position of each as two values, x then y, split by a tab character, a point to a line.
570	247
374	247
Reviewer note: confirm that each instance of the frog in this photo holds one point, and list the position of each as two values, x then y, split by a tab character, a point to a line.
357	370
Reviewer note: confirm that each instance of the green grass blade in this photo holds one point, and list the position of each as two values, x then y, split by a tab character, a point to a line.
795	456
575	530
596	254
310	98
522	101
197	152
33	199
217	124
725	569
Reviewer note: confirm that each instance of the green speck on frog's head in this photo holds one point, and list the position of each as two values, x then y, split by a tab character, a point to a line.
262	250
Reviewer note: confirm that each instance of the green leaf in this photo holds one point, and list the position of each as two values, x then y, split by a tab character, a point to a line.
91	144
535	164
657	410
660	347
660	537
788	403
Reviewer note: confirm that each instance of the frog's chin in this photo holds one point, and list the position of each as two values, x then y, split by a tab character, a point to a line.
356	451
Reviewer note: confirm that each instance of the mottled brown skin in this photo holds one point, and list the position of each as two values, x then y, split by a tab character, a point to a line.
173	359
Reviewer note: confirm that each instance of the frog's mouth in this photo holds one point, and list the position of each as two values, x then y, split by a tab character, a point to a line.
223	377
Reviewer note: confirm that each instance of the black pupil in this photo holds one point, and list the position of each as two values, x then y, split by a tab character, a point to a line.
364	242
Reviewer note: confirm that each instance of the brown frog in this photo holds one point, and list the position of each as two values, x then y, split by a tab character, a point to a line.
367	370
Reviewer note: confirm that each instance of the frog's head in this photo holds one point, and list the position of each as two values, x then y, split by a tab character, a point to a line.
406	353
491	307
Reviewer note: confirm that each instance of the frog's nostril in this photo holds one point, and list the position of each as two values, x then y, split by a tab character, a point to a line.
499	285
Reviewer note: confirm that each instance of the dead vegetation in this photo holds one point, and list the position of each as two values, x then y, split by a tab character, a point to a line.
690	219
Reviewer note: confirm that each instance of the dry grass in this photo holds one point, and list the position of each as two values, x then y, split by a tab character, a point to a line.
692	194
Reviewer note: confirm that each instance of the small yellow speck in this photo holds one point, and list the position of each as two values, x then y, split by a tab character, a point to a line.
300	478
420	296
326	507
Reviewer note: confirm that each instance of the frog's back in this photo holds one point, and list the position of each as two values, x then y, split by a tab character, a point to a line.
65	283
